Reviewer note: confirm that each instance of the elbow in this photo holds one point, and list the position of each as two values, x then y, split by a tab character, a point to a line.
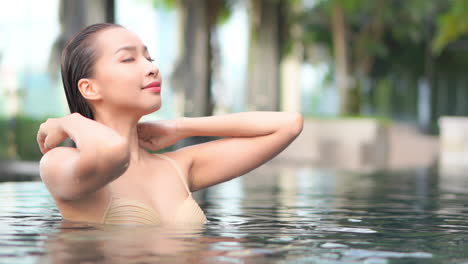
300	121
293	125
297	123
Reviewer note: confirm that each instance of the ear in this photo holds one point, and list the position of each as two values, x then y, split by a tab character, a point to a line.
88	89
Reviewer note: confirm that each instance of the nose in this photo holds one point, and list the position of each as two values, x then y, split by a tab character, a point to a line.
152	70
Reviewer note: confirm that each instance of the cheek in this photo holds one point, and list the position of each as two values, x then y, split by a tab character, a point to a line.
120	82
122	76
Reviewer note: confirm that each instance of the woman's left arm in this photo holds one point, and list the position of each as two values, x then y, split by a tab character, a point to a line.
252	138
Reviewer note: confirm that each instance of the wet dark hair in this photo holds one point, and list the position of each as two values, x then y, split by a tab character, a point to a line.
78	58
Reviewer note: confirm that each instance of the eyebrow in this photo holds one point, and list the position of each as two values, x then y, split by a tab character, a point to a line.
131	48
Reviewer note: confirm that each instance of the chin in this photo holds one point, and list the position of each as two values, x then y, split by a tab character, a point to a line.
152	109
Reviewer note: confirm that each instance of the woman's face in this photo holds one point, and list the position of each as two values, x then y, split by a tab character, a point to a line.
122	70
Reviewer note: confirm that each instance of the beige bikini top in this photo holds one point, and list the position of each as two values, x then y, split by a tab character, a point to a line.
123	211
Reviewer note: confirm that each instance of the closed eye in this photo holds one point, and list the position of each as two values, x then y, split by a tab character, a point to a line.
132	59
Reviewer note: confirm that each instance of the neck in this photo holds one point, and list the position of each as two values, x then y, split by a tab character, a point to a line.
126	126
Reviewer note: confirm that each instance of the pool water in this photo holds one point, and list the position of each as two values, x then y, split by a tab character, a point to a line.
275	214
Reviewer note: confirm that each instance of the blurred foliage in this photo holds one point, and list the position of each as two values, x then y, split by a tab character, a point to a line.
451	25
25	138
4	139
380	33
20	136
391	46
388	34
224	13
162	4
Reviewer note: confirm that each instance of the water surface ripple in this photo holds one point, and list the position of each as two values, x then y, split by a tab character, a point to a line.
271	215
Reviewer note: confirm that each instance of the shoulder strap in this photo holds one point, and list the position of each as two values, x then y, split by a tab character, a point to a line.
176	166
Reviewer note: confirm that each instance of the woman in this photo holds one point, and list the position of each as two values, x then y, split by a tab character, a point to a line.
110	177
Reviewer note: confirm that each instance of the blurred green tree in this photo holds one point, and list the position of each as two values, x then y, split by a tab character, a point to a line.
451	25
371	38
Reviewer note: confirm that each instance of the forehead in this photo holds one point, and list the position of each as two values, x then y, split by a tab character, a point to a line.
110	40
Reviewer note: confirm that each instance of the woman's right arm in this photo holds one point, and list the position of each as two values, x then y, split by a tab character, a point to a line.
101	156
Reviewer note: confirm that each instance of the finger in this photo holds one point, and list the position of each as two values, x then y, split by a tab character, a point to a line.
144	144
143	134
142	127
53	139
41	136
149	144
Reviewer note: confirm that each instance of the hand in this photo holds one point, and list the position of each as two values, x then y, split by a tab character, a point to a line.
157	135
50	134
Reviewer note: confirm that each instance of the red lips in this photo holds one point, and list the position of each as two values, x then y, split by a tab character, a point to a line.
153	84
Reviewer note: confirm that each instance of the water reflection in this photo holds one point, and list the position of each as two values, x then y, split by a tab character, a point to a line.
274	214
81	242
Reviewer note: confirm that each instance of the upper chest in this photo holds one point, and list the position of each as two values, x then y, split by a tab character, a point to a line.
156	184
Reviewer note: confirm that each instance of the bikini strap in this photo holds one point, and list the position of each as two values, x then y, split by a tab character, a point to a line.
176	166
